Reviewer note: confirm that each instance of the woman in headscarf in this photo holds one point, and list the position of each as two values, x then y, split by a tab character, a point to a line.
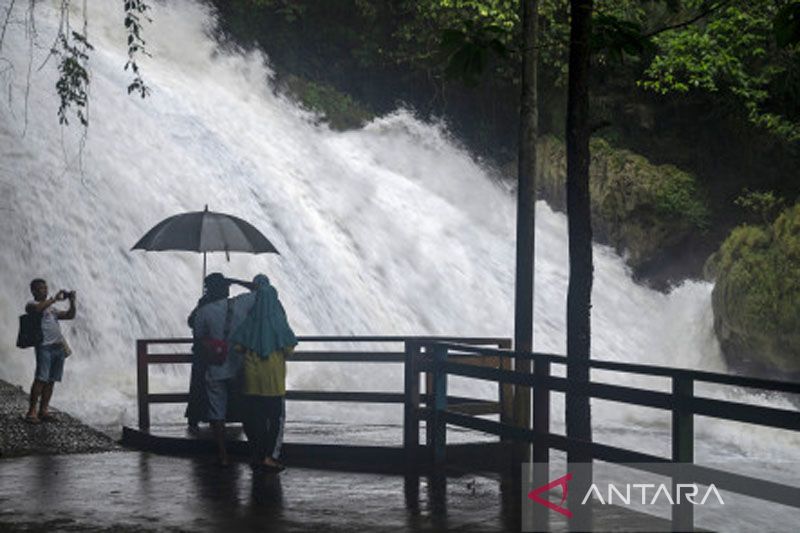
266	339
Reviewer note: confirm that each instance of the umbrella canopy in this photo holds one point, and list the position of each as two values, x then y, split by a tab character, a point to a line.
205	231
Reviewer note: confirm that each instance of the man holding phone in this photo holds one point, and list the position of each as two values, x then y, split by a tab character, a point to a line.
51	351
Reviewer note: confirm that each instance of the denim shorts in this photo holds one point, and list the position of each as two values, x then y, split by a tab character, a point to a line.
49	362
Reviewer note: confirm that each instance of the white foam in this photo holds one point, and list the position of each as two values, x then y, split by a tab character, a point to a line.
391	229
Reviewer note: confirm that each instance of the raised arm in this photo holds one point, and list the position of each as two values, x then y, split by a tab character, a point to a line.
69	314
39	307
246	284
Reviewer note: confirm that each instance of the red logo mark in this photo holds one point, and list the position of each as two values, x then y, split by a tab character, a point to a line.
562	482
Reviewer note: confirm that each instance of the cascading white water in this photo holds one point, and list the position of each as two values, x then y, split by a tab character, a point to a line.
391	229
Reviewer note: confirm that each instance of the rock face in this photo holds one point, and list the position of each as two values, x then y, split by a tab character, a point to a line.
336	108
756	298
641	209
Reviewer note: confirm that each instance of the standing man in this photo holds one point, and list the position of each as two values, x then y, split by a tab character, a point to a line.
217	287
215	321
51	352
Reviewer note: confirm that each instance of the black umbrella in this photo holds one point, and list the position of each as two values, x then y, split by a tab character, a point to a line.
205	231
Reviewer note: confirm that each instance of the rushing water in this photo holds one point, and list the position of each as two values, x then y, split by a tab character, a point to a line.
390	229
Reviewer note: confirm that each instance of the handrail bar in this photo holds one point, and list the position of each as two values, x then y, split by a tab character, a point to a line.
302	356
144	358
635	368
355	338
599	364
745	485
682	401
747	413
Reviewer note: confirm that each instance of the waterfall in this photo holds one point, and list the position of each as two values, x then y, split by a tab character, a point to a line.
390	229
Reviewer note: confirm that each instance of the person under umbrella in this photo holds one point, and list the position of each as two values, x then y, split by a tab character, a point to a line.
212	326
205	231
216	287
266	338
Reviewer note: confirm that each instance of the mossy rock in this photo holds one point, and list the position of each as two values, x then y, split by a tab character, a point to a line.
756	298
335	107
639	208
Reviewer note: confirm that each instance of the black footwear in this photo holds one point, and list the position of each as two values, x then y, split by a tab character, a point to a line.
273	469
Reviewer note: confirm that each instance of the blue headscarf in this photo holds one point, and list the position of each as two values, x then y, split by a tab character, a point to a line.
266	328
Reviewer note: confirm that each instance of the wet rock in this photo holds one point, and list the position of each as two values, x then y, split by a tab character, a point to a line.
66	434
639	208
756	298
645	211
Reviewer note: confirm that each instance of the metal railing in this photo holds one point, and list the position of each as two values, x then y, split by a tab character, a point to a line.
490	359
681	402
145	357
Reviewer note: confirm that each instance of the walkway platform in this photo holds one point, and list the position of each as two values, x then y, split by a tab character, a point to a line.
429	471
362	453
142	492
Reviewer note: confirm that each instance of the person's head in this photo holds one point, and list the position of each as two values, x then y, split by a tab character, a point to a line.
39	289
217	286
261	281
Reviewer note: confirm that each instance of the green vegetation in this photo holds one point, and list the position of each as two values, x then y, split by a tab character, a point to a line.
705	85
677	197
339	109
764	205
757	293
637	206
745	53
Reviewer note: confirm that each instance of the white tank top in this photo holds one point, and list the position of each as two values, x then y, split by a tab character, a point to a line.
51	331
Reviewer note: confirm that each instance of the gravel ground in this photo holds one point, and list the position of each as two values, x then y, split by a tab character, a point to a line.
66	434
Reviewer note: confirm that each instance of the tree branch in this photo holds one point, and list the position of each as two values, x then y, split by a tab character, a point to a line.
5	22
689	22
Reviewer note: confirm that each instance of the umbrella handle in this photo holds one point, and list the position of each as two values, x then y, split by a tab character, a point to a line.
202	282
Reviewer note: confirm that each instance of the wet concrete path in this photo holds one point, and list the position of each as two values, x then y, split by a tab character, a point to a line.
137	491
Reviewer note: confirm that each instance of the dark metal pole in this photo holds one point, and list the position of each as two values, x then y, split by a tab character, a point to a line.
682	447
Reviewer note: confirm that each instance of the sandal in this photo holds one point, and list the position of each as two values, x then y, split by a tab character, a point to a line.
48	417
273	468
31	419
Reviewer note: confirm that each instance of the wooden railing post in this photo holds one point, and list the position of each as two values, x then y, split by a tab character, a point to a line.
411	403
541	410
429	401
682	446
437	421
506	391
142	385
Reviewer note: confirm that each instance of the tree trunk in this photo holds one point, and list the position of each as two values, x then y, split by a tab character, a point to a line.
578	411
528	129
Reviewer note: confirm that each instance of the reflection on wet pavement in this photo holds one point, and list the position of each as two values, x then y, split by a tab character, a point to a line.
138	491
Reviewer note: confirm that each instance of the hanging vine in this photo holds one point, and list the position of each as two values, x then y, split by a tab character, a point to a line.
71	48
135	12
73	81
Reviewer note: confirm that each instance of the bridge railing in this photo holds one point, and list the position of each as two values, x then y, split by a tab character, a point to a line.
682	402
152	352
